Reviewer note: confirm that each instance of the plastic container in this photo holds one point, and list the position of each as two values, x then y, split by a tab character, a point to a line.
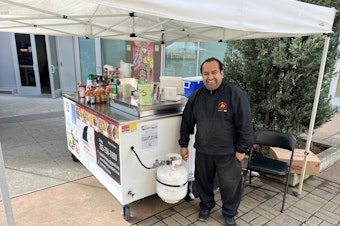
145	94
191	84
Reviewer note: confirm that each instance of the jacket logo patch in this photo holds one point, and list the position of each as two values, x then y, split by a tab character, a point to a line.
222	106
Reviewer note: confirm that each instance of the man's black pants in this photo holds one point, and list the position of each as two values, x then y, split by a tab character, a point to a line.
229	173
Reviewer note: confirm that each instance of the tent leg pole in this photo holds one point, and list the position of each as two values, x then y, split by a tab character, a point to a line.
6	200
314	111
162	58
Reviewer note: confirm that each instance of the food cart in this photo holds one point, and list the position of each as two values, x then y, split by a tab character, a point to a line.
120	142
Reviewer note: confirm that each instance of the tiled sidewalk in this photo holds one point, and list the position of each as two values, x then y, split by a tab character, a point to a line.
318	204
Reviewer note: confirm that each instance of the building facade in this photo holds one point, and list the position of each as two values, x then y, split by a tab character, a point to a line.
48	65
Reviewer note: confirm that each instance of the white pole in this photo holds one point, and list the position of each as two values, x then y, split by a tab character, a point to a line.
314	110
4	192
162	58
198	59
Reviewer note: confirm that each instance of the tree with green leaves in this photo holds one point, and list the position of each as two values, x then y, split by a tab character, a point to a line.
280	77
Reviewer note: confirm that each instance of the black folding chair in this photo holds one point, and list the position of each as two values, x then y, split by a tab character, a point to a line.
258	162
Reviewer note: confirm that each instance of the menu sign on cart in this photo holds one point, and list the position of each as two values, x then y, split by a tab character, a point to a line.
108	156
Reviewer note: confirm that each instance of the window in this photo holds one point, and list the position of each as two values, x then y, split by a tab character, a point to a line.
87	58
184	59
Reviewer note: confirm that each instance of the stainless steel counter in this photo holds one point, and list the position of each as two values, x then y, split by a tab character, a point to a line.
130	105
125	111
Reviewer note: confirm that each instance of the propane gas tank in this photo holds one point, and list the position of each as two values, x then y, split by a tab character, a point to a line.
172	180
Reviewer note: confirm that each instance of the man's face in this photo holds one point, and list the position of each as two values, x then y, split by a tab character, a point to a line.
212	76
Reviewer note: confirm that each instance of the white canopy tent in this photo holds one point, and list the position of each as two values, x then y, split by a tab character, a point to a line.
173	20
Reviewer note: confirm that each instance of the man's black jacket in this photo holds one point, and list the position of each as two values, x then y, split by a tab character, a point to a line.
222	118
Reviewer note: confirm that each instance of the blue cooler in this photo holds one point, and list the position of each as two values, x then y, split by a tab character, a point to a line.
191	84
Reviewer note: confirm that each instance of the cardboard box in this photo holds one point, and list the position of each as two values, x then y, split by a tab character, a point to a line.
313	162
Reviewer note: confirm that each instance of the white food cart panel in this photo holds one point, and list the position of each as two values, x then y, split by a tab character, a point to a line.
151	140
103	146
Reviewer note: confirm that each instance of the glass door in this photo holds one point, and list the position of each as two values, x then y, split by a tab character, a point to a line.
67	64
53	69
29	81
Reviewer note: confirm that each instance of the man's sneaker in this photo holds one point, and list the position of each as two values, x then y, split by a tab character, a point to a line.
230	221
204	215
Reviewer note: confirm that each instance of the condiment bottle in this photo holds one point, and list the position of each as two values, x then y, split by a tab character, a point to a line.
97	94
114	90
87	95
92	96
82	89
162	95
103	94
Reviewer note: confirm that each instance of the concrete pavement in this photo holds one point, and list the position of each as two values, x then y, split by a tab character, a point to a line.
48	188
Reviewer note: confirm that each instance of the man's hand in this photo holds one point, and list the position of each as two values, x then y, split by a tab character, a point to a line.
184	153
239	156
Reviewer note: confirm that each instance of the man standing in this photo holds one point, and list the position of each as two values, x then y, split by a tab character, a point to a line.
222	116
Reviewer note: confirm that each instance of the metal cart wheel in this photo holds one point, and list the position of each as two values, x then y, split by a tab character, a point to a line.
126	212
74	158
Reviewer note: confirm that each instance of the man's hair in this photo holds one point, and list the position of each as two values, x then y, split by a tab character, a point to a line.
220	65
